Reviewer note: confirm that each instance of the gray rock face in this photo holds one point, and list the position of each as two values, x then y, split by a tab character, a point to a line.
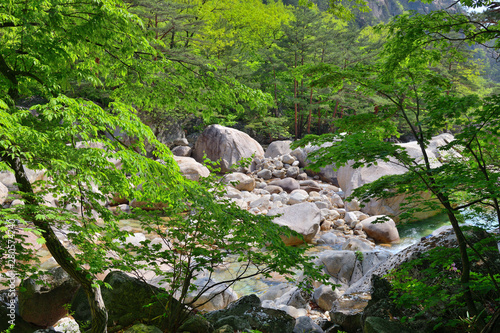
278	148
303	218
339	264
226	145
347	268
385	232
42	305
190	168
246	313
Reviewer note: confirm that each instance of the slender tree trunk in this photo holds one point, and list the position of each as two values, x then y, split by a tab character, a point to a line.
59	252
295	83
319	121
334	115
464	257
310	112
275	93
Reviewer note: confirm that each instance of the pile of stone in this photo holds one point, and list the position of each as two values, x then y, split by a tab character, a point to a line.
276	183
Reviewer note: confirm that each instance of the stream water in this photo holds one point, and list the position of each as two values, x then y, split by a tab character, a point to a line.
410	233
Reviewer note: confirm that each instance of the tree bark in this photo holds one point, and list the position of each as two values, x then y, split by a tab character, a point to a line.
87	281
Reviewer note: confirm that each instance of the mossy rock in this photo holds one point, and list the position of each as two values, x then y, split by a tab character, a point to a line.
381	325
196	324
129	301
225	329
141	328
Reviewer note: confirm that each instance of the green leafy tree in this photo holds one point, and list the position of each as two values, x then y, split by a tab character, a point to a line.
48	45
409	76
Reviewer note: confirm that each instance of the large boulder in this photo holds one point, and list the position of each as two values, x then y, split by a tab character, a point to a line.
125	301
304	218
247	314
350	178
226	145
190	168
43	304
381	228
278	148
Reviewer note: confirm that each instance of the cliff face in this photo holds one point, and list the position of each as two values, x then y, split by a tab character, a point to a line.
383	10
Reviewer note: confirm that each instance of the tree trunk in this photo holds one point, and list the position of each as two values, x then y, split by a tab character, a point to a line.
295	83
59	252
310	112
275	94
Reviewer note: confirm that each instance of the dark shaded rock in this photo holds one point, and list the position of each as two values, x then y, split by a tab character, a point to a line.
9	314
141	328
306	324
43	304
249	312
350	322
196	324
224	329
380	325
125	303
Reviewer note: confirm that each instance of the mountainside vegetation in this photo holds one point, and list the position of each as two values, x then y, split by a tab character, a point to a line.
105	72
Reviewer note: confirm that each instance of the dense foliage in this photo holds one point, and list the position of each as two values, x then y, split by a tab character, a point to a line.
83	82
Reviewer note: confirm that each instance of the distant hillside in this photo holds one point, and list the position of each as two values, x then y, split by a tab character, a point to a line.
383	10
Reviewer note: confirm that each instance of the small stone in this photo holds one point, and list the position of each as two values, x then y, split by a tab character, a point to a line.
279	173
265	174
288	159
302	176
326	225
292	172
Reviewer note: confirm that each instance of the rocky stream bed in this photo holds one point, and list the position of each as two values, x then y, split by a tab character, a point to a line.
347	245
